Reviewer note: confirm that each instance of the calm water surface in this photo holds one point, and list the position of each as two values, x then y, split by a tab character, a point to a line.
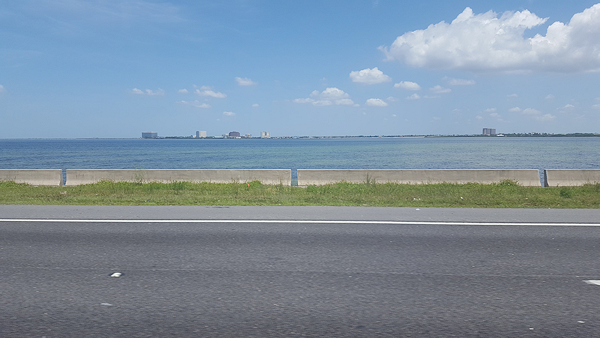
360	153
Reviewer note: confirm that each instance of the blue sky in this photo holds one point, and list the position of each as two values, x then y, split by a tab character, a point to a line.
71	68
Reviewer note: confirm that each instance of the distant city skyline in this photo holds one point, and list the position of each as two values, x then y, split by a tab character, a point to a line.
112	69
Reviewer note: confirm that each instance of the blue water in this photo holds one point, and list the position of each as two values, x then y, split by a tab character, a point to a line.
358	153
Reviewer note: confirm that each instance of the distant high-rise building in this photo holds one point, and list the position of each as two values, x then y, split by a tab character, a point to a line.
234	134
489	131
201	134
149	134
265	134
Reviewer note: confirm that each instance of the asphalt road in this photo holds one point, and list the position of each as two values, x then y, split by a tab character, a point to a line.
413	273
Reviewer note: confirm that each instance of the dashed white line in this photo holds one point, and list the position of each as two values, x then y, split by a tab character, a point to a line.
593	281
295	221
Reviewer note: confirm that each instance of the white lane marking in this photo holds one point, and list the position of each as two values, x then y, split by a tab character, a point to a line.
593	282
289	221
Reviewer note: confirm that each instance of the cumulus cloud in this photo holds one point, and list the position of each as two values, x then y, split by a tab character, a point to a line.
490	110
207	91
245	81
496	115
488	41
549	97
255	105
515	110
512	95
537	115
479	117
328	97
568	108
1	89
461	82
545	117
159	92
531	111
369	76
440	90
376	103
596	106
407	85
195	103
413	97
228	113
331	93
344	102
182	91
307	100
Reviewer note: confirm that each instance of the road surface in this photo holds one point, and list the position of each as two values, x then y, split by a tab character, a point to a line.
306	271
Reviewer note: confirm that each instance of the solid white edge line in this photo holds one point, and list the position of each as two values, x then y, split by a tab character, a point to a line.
289	221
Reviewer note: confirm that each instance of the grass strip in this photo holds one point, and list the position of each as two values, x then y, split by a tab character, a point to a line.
506	194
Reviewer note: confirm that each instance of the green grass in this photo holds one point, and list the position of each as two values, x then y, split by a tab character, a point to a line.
502	195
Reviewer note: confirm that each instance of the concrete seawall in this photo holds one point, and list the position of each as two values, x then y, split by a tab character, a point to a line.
525	177
265	176
570	177
33	176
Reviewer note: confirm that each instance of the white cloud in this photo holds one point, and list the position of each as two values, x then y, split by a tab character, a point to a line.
255	105
376	103
322	103
413	97
483	42
195	103
1	89
496	115
478	117
328	97
245	81
568	108
531	111
182	91
596	106
307	100
407	85
369	76
391	99
228	113
393	115
543	118
512	95
515	110
490	110
537	115
333	94
159	92
440	90
460	82
137	91
549	97
207	91
344	102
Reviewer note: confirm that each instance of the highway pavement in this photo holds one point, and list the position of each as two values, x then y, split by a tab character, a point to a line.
298	271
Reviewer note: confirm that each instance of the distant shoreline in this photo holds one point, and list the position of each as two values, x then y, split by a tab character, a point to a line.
312	137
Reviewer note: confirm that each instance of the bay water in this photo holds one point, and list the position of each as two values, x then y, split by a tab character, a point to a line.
323	153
